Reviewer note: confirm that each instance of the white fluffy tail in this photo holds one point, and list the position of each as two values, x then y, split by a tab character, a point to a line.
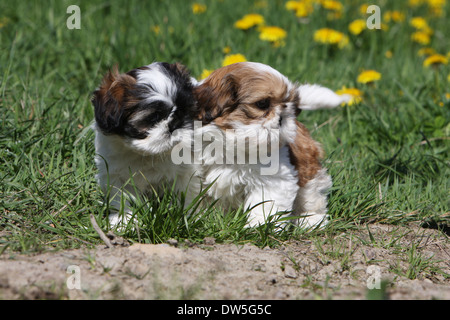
313	97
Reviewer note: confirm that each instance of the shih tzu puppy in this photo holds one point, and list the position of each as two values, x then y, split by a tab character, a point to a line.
260	155
139	117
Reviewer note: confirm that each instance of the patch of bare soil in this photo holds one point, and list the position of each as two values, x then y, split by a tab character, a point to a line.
341	267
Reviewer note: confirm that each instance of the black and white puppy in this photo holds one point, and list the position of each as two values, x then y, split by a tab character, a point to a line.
139	117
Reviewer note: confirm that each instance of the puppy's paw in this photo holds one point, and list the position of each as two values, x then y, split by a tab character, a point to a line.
313	220
119	222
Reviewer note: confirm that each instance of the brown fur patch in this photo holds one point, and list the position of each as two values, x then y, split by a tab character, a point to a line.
232	94
217	94
116	87
305	155
114	100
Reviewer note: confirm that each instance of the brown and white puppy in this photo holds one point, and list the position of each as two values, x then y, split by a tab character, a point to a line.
139	117
246	109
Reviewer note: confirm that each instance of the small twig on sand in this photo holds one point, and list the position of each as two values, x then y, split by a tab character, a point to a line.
54	214
100	232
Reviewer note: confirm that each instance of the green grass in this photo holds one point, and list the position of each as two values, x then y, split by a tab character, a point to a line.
388	155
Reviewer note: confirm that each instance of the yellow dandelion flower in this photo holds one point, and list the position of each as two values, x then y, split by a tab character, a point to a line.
384	26
332	5
418	23
435	59
198	8
292	5
205	73
368	76
335	8
448	78
243	24
304	9
436	3
226	50
257	19
421	37
388	54
272	34
330	36
395	16
249	20
233	58
426	52
355	93
156	29
436	7
363	9
357	26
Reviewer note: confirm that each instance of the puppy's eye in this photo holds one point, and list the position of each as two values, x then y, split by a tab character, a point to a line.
263	104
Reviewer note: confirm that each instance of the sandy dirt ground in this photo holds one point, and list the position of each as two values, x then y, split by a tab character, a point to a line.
338	268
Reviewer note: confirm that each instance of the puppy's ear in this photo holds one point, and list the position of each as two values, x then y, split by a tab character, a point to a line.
314	97
177	69
216	96
112	99
181	69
